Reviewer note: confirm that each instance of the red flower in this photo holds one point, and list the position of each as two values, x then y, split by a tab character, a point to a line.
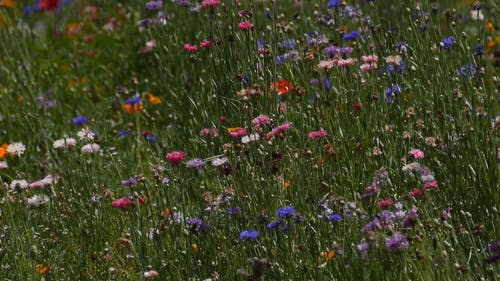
282	86
121	203
175	157
385	203
48	5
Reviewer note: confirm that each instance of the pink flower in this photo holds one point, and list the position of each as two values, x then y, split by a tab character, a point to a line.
190	48
367	67
205	44
278	130
259	120
3	165
47	181
121	203
385	203
346	62
175	157
417	153
415	192
238	133
356	106
431	185
317	134
207	132
369	59
246	25
210	3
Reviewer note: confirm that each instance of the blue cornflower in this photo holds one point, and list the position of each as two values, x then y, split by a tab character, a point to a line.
154	5
353	35
133	100
261	44
448	42
333	4
249	234
268	15
334	217
468	71
234	211
146	21
123	133
129	182
273	224
285	212
478	50
151	138
80	120
281	59
326	83
391	68
288	44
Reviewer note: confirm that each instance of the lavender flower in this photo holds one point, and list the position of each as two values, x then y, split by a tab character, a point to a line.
249	234
285	212
397	243
195	163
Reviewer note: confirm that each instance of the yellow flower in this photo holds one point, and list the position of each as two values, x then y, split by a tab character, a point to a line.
490	27
234	129
20	99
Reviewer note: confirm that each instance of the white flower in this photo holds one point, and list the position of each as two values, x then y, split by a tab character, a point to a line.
21	184
219	161
86	134
64	143
17	148
150	274
477	15
250	138
3	165
38	200
91	148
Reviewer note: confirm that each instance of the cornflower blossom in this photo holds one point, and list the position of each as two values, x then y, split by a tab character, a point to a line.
80	120
278	130
317	134
16	148
286	212
417	154
249	234
448	42
195	163
260	120
175	157
190	48
129	182
38	200
246	25
217	162
18	184
342	63
154	5
64	143
91	148
121	203
210	3
353	35
397	243
363	248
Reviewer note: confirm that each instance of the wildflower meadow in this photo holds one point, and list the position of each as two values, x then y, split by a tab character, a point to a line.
249	140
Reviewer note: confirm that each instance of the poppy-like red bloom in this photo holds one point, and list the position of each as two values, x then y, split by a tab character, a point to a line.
175	157
282	86
121	203
48	5
385	203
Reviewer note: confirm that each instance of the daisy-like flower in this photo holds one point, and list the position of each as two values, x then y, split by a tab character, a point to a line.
417	153
250	138
217	162
38	200
260	120
64	143
3	165
91	148
16	148
85	134
18	184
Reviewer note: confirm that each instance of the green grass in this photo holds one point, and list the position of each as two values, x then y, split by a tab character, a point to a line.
78	235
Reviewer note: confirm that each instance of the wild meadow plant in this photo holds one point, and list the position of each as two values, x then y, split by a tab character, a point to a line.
249	140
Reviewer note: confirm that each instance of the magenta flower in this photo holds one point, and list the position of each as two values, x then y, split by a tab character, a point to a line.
121	203
246	25
205	44
278	130
190	48
238	133
369	59
210	3
415	192
175	157
431	185
417	153
385	203
317	134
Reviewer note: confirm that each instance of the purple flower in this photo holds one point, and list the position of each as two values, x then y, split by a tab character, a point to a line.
495	247
273	224
397	243
195	163
334	217
363	248
447	43
285	212
234	211
154	5
249	234
492	259
133	101
129	182
353	35
333	4
80	120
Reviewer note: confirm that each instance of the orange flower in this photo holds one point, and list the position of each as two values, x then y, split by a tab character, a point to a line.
286	185
282	86
73	28
326	256
3	150
8	3
195	248
490	27
152	98
41	269
133	108
165	213
20	99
